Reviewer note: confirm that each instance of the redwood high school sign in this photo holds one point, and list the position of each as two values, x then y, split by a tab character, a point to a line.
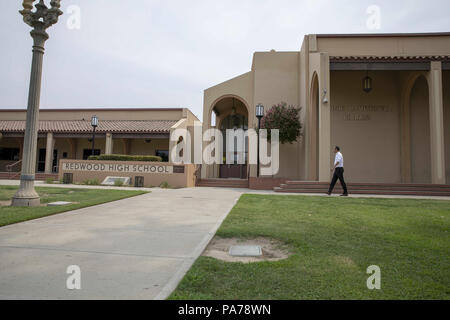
117	167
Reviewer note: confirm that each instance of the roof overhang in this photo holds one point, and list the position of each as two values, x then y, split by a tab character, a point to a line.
386	63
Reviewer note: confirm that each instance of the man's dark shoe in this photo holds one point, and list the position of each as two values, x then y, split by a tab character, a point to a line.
344	195
329	193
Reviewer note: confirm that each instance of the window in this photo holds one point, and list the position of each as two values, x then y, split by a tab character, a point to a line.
164	154
88	152
11	154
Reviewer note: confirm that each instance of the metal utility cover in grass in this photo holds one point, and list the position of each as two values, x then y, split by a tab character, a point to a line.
58	203
245	251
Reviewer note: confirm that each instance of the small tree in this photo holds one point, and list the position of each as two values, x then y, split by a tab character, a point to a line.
286	119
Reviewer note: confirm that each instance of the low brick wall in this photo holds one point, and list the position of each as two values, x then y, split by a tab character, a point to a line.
265	183
154	173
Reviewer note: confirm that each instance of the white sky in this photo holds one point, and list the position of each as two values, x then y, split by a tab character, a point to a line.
164	53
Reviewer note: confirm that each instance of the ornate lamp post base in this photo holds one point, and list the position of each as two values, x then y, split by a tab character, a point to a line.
26	201
26	196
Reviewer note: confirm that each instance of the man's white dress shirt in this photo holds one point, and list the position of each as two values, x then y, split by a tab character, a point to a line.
339	158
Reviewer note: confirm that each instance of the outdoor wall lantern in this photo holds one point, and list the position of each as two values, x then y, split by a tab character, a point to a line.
325	99
367	83
259	115
94	124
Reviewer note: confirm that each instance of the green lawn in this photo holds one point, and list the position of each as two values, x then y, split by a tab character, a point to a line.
334	240
80	197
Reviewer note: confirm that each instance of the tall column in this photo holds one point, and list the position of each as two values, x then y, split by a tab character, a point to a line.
49	153
26	195
109	144
436	123
40	19
324	119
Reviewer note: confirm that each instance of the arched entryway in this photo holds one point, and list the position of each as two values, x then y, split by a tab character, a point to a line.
231	113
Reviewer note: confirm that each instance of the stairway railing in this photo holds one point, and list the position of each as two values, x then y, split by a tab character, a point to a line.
9	169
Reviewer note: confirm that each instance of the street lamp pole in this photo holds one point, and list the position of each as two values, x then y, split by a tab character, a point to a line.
42	18
94	124
259	115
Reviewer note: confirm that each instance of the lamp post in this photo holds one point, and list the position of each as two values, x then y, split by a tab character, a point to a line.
42	18
259	115
94	124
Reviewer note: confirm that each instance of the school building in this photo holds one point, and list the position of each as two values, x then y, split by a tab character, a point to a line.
68	134
383	98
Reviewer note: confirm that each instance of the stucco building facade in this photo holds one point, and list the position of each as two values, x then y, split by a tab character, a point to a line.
397	132
67	134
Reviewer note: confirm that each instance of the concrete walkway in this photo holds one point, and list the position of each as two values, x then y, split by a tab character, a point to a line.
136	248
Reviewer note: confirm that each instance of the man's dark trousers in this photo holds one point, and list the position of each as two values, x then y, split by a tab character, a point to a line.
338	174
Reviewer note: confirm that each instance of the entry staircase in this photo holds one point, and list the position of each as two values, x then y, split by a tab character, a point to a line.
224	183
411	189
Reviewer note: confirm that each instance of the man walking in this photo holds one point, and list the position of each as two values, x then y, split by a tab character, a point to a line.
338	172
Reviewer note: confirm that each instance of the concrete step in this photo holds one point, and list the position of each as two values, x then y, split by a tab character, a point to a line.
358	184
225	183
374	191
370	187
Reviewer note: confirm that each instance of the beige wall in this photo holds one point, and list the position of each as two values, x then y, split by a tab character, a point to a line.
384	46
277	80
371	148
140	147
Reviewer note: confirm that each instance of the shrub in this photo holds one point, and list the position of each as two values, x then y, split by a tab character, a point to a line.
286	119
118	183
49	180
124	157
91	182
164	185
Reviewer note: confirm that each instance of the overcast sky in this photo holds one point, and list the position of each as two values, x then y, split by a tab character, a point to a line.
164	53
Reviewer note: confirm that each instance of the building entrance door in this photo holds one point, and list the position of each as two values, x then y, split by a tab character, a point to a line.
41	160
236	171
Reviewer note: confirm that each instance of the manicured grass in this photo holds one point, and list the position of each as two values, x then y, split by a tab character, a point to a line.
334	240
80	197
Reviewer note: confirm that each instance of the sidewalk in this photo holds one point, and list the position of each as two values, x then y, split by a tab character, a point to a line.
136	248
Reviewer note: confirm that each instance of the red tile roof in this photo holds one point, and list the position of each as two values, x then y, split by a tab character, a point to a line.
389	58
81	126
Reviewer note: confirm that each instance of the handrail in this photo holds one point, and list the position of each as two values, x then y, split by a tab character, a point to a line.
10	166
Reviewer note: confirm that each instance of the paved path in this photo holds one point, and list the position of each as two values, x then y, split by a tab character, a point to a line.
136	248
